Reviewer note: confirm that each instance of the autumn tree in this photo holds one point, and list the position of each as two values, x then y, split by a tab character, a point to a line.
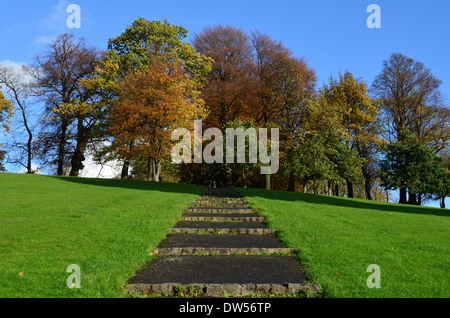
59	71
268	59
410	98
356	114
321	154
6	112
140	44
230	80
295	87
154	101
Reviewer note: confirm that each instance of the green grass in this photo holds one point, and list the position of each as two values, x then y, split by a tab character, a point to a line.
338	238
107	227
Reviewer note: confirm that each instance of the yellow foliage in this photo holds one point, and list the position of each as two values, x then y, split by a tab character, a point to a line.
6	112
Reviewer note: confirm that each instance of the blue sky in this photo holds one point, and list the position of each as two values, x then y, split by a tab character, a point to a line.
331	34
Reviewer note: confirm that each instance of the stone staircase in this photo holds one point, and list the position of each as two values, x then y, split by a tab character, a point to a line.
221	246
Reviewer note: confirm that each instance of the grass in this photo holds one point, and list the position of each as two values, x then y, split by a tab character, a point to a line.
107	227
338	238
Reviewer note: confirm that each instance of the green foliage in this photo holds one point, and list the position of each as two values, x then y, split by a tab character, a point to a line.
411	165
134	48
140	48
240	173
323	157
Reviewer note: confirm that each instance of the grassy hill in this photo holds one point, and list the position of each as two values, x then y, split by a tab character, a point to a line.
108	228
338	238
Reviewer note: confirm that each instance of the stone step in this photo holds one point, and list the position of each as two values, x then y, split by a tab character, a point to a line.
222	193
243	217
194	227
248	261
187	244
220	290
219	205
220	210
205	251
212	276
219	241
224	231
219	199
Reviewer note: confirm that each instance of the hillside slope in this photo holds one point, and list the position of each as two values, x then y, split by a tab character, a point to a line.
106	227
338	238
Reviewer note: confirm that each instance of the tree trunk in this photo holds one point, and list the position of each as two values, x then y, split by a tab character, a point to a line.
30	137
350	189
330	188
62	147
291	184
149	168
367	183
268	187
403	196
125	169
77	160
368	190
412	198
443	202
78	156
336	190
156	165
126	163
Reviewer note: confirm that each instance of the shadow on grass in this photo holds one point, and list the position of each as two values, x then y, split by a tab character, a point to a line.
341	202
266	194
136	184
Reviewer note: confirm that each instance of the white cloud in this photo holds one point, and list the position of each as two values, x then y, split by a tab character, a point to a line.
93	170
44	39
16	69
52	24
55	21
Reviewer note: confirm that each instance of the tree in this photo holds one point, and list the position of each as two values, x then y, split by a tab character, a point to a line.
134	49
268	57
411	165
154	101
6	112
20	87
410	98
295	84
441	185
356	114
230	80
59	72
